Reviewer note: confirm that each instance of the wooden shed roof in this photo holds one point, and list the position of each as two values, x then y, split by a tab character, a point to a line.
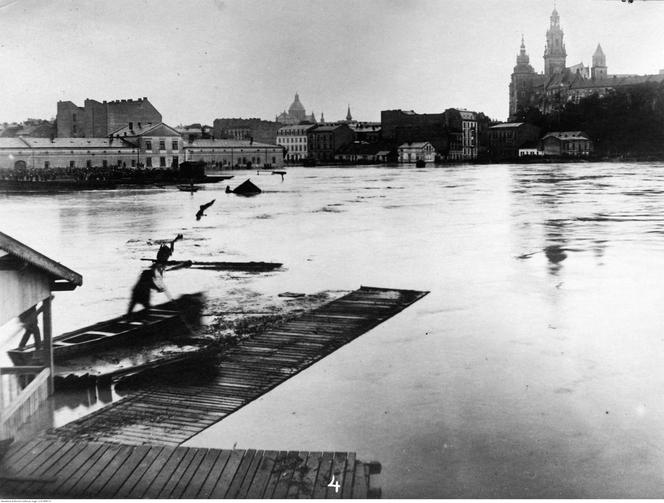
64	278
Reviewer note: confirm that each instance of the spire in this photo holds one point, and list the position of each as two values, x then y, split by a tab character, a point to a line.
349	117
598	70
322	117
554	53
523	60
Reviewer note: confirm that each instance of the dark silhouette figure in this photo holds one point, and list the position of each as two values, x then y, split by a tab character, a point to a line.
165	251
150	279
201	212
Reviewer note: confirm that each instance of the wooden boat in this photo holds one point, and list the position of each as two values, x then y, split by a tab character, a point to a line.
162	320
221	266
189	188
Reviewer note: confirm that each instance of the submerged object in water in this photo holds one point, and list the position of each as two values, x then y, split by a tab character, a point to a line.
246	188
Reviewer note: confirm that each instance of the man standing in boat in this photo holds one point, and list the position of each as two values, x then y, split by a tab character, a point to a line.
150	279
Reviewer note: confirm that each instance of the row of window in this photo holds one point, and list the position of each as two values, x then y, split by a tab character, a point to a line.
175	145
301	139
148	162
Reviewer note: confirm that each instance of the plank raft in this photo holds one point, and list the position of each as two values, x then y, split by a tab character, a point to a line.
61	469
171	412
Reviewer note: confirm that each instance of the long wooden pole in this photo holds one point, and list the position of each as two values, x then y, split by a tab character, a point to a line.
48	342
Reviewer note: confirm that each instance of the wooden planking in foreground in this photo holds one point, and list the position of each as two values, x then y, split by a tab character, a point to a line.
172	412
62	469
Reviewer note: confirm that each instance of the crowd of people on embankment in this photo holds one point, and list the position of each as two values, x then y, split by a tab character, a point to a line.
110	173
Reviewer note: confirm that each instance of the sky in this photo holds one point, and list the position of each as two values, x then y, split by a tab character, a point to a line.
198	60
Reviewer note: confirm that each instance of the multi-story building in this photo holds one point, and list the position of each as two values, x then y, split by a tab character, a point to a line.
158	145
246	129
462	127
98	120
294	141
505	140
324	141
234	153
558	85
369	132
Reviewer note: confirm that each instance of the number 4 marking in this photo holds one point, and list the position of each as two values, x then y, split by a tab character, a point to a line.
334	483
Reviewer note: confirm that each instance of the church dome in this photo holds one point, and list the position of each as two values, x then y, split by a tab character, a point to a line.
296	106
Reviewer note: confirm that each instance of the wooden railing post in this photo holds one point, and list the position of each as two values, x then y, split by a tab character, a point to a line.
48	342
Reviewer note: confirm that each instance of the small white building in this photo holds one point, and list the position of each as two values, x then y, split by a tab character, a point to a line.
294	141
416	151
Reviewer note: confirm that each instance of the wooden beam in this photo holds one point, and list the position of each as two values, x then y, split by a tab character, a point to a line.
48	342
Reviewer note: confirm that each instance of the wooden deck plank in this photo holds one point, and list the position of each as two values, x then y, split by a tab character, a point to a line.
95	469
213	477
249	478
178	473
136	456
192	469
306	489
360	482
262	476
105	475
349	476
139	481
339	472
273	480
299	476
35	456
241	474
226	476
285	466
79	467
165	473
202	473
324	475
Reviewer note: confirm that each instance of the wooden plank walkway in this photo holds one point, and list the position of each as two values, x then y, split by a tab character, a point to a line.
64	469
170	414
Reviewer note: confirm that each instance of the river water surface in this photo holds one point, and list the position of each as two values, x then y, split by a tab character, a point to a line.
534	367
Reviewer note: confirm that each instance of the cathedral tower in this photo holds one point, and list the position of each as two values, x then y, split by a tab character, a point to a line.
554	52
522	81
598	70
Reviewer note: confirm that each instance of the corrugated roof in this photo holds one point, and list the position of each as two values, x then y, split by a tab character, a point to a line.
208	143
567	135
63	143
415	144
12	143
508	125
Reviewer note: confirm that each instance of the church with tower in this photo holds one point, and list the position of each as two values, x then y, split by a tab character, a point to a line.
559	84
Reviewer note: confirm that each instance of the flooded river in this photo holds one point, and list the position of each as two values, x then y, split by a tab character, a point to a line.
534	368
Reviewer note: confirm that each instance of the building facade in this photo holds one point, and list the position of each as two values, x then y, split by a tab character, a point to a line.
416	151
158	145
246	129
324	141
98	120
567	143
231	154
505	140
294	141
559	84
44	153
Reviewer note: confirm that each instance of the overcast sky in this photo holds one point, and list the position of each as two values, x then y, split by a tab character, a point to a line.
202	59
